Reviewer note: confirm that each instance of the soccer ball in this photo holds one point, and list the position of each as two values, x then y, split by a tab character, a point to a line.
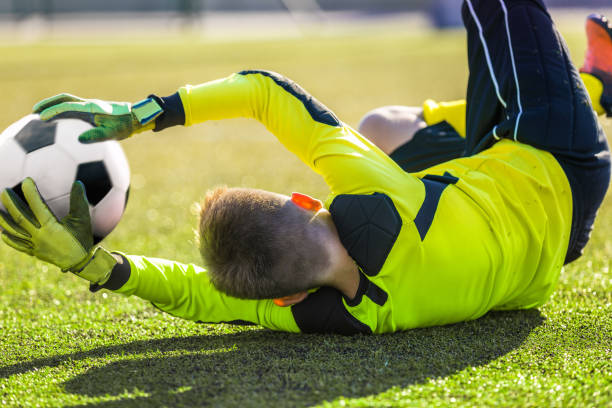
51	154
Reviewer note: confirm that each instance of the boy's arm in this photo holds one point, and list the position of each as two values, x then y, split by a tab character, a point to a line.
297	119
185	291
307	128
348	162
287	110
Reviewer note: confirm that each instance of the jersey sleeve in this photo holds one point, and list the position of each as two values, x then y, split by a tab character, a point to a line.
347	161
185	291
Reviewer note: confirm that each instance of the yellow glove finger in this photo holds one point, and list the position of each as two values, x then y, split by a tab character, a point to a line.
38	206
19	212
79	110
8	225
55	100
17	243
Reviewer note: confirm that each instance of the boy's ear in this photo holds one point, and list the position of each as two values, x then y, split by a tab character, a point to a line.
306	202
291	299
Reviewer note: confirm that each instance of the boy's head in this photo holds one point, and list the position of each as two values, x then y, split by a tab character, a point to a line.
261	245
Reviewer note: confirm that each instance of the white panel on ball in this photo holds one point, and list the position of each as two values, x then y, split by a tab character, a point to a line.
12	158
67	139
107	213
60	206
117	166
53	171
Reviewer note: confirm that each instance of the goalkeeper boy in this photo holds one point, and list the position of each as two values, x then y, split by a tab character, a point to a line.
391	249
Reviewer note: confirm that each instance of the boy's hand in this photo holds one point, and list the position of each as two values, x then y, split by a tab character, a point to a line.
32	228
112	120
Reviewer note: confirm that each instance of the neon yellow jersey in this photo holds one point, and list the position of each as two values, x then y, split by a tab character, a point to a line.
494	239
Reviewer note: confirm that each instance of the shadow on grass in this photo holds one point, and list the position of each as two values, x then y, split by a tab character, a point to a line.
263	368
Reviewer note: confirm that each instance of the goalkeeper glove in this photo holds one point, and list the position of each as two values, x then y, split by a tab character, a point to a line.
112	120
33	229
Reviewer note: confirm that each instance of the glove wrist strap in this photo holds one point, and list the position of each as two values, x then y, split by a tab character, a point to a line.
146	111
98	267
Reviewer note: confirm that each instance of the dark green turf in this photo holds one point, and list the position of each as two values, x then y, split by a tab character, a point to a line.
61	346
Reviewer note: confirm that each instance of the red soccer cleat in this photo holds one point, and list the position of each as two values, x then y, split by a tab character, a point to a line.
598	60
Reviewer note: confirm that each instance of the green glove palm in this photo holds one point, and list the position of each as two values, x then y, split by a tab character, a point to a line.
34	229
112	120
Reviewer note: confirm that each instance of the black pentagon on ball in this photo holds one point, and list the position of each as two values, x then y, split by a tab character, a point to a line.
96	179
36	135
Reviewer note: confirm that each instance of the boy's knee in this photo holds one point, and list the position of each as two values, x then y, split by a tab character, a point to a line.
389	127
374	124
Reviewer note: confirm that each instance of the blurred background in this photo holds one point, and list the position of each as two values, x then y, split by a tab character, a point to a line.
31	20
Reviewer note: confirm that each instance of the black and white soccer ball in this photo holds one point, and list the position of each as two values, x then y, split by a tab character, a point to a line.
50	153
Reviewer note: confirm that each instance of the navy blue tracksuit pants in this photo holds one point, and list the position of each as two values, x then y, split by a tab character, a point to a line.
523	86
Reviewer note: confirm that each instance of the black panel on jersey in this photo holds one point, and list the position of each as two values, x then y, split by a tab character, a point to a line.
368	226
319	112
324	312
369	289
446	178
434	186
376	294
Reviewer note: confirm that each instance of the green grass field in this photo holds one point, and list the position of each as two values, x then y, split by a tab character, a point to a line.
61	346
